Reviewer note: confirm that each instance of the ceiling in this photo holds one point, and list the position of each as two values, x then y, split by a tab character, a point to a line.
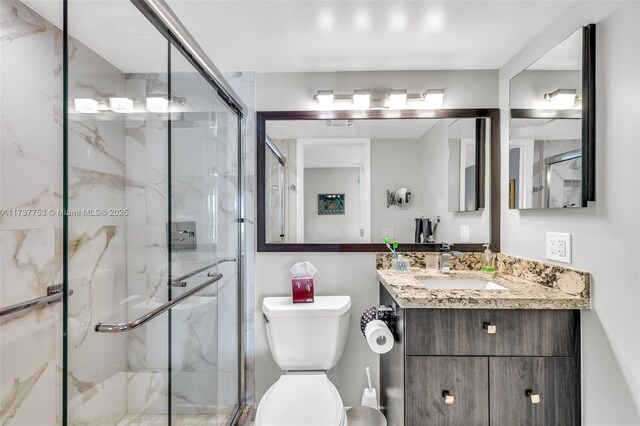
309	35
296	36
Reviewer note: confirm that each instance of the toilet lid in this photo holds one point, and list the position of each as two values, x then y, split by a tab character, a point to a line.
301	400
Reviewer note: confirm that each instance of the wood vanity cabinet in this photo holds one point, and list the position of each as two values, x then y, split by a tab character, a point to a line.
472	367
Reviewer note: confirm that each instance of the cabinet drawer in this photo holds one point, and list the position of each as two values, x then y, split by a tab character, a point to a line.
465	379
491	332
553	384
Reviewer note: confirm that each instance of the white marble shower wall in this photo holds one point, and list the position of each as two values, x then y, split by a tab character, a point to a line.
97	372
30	181
146	269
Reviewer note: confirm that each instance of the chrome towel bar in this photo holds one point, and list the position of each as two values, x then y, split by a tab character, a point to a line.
132	325
54	294
180	281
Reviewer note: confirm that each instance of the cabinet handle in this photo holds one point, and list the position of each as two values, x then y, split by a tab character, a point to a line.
448	398
491	328
535	398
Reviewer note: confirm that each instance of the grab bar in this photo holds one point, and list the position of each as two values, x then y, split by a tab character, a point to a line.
54	294
180	281
132	325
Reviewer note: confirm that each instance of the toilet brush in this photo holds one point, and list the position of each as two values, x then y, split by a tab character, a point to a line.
369	397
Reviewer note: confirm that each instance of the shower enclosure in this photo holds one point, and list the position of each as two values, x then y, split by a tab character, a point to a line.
153	238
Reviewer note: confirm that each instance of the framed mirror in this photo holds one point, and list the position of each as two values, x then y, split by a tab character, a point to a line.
344	180
552	127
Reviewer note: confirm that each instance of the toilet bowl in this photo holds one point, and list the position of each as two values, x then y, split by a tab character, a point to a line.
302	400
306	340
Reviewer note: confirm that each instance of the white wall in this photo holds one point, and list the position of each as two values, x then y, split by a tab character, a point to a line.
396	163
352	274
294	91
606	235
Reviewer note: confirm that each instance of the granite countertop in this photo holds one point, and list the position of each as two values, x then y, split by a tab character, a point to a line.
568	290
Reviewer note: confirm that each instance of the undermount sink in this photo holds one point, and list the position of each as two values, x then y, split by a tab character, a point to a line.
461	285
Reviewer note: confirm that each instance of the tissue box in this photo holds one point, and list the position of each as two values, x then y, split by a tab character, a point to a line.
302	289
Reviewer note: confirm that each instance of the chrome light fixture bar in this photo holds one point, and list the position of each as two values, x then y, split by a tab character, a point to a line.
363	99
397	99
561	98
434	98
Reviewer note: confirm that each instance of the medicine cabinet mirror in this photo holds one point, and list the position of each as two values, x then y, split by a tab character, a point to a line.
552	127
344	180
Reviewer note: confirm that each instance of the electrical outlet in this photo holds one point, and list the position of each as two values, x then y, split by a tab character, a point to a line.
558	247
464	234
387	233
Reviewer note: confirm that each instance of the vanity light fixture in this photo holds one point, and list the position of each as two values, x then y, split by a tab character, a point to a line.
397	99
325	98
361	99
561	98
86	105
157	104
122	105
434	98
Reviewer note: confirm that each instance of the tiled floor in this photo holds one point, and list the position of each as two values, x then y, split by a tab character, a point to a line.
178	420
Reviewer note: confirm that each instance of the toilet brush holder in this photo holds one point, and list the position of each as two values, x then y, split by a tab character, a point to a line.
370	398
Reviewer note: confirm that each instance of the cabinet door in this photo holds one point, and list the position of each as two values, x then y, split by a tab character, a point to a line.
534	391
514	332
429	380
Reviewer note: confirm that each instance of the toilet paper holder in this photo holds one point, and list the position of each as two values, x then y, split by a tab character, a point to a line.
383	312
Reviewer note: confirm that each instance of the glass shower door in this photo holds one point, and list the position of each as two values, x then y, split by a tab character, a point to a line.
204	142
151	228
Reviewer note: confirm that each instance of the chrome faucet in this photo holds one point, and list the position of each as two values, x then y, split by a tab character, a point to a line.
445	257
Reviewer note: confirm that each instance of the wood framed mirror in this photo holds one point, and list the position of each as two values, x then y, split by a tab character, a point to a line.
342	180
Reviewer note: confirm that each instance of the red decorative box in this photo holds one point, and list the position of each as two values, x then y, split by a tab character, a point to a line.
302	289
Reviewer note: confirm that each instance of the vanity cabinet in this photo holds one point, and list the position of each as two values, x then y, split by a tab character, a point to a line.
481	367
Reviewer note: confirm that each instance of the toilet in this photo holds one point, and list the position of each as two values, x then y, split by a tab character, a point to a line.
306	340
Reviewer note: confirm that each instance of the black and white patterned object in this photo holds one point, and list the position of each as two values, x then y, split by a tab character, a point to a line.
367	316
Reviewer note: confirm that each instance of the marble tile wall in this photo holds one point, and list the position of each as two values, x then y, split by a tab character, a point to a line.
118	264
147	265
30	178
97	244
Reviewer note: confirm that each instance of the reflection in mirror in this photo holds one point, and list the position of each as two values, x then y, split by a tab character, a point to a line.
466	144
358	181
546	130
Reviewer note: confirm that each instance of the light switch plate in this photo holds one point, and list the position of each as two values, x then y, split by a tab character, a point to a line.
387	233
558	247
464	234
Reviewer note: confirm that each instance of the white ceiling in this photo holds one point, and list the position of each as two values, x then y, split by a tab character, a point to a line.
292	36
295	36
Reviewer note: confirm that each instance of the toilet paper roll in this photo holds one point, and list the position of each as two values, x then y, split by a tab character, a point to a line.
378	336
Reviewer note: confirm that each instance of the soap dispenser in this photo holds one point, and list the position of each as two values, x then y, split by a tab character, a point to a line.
488	260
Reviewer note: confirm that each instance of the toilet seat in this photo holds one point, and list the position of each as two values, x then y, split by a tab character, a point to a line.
301	399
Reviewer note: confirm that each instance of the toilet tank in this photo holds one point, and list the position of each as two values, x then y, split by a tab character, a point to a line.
307	336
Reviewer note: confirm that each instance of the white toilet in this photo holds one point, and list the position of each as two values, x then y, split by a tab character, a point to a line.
306	340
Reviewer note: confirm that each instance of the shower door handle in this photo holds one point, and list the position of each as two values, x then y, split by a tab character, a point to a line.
132	325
